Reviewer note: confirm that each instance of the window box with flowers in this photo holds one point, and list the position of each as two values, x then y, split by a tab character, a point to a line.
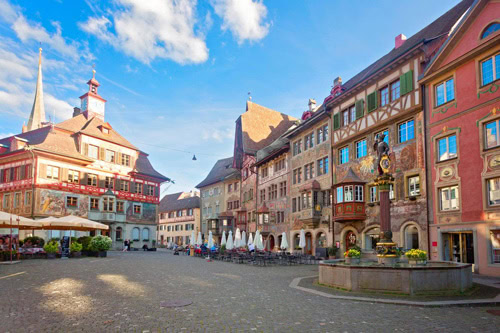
352	256
416	257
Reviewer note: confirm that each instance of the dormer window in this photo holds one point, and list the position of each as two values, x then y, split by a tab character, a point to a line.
105	130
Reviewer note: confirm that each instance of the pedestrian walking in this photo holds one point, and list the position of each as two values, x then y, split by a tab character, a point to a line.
125	245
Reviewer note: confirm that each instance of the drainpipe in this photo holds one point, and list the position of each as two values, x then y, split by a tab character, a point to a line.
428	173
33	173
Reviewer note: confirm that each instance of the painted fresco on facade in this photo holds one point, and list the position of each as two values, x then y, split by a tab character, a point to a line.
148	213
54	203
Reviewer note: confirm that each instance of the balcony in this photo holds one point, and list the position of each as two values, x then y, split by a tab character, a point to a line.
349	211
310	217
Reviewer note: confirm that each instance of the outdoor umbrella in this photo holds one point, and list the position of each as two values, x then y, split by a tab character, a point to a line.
192	240
24	222
243	239
258	241
284	243
302	240
199	241
261	243
229	243
210	240
237	238
223	240
250	239
71	222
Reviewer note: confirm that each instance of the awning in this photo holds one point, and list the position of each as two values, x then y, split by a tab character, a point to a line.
24	222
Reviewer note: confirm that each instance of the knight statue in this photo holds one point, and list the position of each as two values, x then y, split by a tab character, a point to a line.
382	149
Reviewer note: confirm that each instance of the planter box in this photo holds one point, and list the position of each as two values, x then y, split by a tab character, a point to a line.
417	261
102	254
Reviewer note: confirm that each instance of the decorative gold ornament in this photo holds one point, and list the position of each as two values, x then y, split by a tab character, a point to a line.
385	163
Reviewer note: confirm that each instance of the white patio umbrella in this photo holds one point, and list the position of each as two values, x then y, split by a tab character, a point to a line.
284	243
199	241
237	238
258	241
229	243
71	222
243	238
24	223
261	243
302	240
210	240
250	239
223	240
192	239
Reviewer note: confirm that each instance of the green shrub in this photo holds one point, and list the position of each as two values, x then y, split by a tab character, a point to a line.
51	247
75	247
85	241
100	243
55	239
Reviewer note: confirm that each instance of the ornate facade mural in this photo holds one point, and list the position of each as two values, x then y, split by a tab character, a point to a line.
53	203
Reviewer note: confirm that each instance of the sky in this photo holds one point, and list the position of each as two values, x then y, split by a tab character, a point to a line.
176	74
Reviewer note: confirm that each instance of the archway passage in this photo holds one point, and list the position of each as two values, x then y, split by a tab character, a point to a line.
309	247
350	240
271	243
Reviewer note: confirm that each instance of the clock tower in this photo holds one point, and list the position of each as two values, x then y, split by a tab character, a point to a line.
93	104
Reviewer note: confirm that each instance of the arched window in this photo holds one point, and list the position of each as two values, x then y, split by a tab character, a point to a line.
321	240
372	237
118	233
135	234
145	234
490	29
411	237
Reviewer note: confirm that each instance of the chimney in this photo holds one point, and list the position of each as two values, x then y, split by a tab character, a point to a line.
337	82
76	111
312	104
400	39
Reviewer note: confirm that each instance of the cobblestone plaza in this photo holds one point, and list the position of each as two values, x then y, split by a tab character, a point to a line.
126	291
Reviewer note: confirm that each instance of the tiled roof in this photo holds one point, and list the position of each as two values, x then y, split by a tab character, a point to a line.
439	27
351	177
143	166
221	170
280	144
171	202
261	126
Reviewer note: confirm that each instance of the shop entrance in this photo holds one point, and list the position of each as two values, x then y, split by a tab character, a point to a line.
459	247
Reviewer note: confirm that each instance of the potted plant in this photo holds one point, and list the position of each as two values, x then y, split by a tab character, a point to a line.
51	249
416	257
101	244
352	256
76	249
332	252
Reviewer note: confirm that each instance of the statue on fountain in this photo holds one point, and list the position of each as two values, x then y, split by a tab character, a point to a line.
382	149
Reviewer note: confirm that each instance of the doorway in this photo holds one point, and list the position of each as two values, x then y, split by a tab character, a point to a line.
350	240
459	247
271	243
308	249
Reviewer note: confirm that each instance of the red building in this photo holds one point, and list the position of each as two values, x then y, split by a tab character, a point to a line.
463	133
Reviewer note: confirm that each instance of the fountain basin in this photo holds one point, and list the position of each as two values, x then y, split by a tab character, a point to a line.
370	276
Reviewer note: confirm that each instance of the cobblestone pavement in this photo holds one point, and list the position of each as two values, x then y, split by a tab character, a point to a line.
124	292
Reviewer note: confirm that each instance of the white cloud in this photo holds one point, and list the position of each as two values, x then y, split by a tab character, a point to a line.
244	18
152	29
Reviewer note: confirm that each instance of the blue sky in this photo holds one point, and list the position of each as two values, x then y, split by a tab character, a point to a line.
176	73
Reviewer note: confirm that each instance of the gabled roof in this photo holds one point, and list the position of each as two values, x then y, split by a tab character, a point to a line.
80	124
222	170
351	177
144	167
439	27
171	202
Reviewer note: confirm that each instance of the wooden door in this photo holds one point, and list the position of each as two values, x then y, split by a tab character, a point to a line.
308	249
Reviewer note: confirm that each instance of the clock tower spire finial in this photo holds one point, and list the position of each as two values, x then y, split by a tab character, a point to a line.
92	103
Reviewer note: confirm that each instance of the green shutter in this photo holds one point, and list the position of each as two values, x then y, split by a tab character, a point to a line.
402	84
336	121
372	101
409	81
360	108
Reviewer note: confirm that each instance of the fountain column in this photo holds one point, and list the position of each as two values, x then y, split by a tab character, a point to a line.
386	248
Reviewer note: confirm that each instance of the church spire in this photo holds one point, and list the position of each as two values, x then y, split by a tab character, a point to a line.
37	116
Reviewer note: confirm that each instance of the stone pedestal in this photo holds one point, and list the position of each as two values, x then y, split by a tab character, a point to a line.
386	248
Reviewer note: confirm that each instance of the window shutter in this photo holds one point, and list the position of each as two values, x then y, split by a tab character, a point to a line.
402	84
23	172
86	149
64	175
118	158
360	108
43	171
101	181
409	81
12	174
372	101
336	121
101	153
1	175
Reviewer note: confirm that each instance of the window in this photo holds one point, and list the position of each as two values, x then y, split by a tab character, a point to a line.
6	201
297	176
137	209
358	193
490	69
493	191
413	186
279	165
118	233
348	193
236	186
109	183
386	137
395	90
145	234
445	92
340	194
120	206
17	200
236	204
93	151
352	114
94	204
110	156
447	147
345	118
229	188
322	166
406	131
309	141
297	147
91	180
108	204
384	96
294	205
448	198
71	201
138	188
490	29
372	237
262	195
280	217
73	176
151	189
124	185
52	172
273	192
495	246
306	200
179	213
125	159
322	134
229	205
411	237
28	197
361	149
283	189
135	234
327	198
373	194
343	155
308	171
190	212
264	172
